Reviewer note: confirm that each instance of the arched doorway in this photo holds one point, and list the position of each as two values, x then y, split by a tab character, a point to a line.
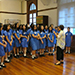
31	11
32	14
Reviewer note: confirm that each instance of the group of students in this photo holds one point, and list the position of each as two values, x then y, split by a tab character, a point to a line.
36	39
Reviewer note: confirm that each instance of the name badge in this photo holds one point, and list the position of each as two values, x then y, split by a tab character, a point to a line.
0	35
34	32
24	33
41	32
45	31
66	34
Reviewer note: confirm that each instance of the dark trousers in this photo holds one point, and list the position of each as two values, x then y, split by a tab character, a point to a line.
60	55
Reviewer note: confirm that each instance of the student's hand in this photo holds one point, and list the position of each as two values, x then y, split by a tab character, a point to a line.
52	41
54	32
27	40
40	38
4	45
42	42
10	43
18	38
19	41
3	36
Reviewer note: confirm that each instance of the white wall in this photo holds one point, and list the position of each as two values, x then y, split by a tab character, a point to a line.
51	13
13	6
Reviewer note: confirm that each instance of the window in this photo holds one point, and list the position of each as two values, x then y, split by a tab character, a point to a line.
67	14
32	15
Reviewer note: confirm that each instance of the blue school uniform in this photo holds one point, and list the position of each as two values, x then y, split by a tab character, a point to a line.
11	32
42	46
24	42
17	44
50	44
34	41
46	32
8	48
54	36
68	39
2	52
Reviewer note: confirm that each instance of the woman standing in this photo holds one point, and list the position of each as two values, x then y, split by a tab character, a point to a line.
60	45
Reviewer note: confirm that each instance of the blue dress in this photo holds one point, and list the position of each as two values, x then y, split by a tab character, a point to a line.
11	32
16	40
68	39
8	48
50	44
42	46
34	41
54	36
24	42
46	32
2	52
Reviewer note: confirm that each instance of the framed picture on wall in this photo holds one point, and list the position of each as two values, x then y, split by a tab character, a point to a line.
11	21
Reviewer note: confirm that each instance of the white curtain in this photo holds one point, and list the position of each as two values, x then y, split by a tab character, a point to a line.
66	13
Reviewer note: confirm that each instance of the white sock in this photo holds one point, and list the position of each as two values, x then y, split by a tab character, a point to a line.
24	54
66	50
32	56
40	53
6	60
17	53
8	55
1	63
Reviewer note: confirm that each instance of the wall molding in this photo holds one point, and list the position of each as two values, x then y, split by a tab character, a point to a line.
26	13
12	13
47	9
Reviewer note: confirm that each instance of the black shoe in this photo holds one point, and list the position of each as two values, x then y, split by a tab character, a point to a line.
9	58
3	66
19	52
52	54
18	56
35	57
25	56
62	62
49	54
40	55
43	55
57	64
15	56
66	52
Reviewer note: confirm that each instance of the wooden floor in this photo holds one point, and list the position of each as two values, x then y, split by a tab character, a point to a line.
41	66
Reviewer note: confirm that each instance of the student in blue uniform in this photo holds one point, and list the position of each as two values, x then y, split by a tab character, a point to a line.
5	49
2	45
54	36
46	42
17	40
33	42
20	30
42	41
50	41
68	40
24	41
8	39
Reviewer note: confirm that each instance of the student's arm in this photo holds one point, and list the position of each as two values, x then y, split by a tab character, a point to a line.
23	36
8	40
59	35
35	36
17	36
2	44
28	38
4	41
44	37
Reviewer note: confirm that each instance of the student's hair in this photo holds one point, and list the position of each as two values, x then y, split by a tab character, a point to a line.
16	25
68	28
0	27
33	28
51	30
61	27
23	29
5	27
41	30
56	27
20	26
51	24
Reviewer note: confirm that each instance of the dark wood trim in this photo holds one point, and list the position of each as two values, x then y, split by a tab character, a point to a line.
13	13
47	9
